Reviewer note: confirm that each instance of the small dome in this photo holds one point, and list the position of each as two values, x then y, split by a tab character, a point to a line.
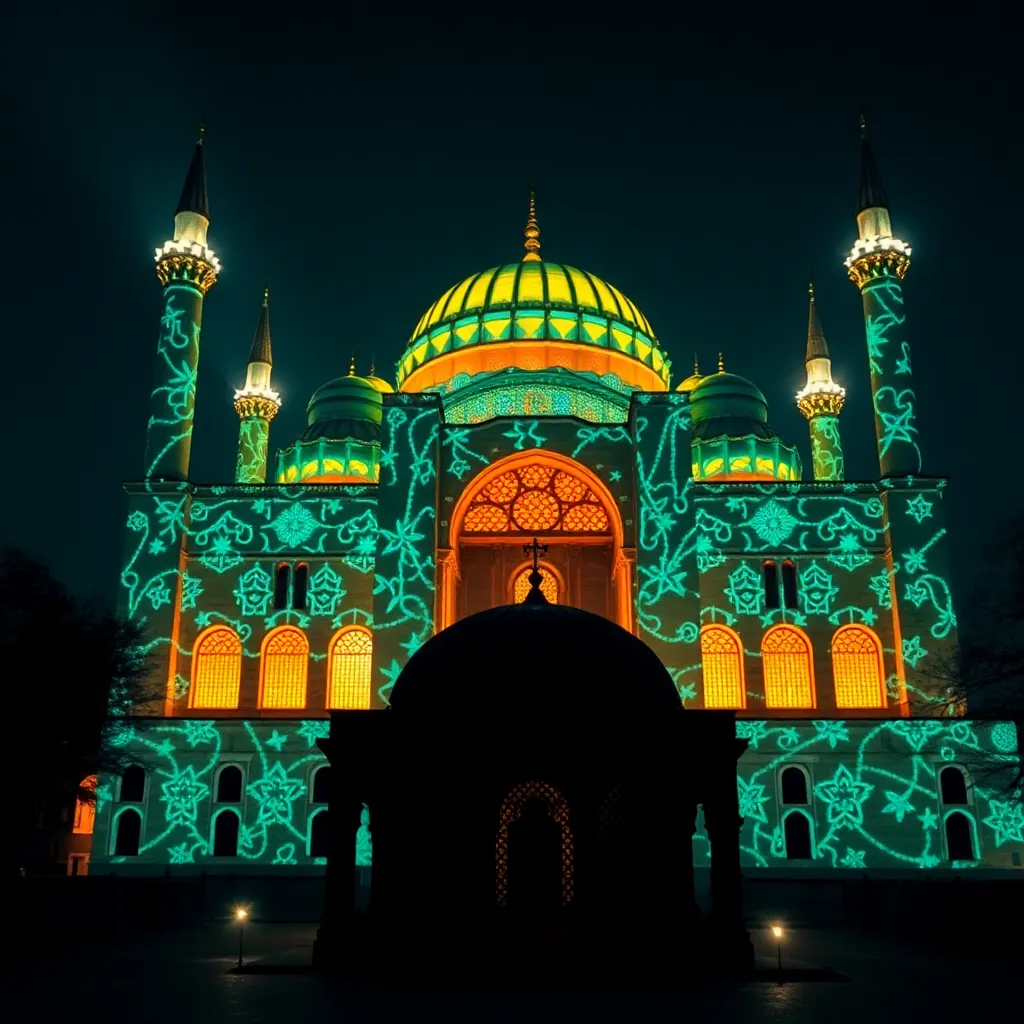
690	383
345	400
727	396
380	384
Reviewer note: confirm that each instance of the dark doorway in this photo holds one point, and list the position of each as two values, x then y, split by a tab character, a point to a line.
535	862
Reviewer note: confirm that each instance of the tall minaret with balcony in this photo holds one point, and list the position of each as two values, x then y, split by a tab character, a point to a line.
187	269
877	264
820	401
256	404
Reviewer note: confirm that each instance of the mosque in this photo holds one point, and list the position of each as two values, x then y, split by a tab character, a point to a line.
534	448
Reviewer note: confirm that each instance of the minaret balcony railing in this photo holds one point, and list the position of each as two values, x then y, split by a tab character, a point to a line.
878	243
203	252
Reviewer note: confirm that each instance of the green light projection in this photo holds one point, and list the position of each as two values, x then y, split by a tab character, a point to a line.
172	402
826	448
889	357
253	438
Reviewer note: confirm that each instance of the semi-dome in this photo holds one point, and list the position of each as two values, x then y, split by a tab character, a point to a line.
731	438
341	441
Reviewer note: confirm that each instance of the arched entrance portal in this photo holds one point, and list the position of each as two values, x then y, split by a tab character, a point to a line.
567	508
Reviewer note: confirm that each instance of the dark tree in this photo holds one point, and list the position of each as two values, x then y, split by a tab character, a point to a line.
74	677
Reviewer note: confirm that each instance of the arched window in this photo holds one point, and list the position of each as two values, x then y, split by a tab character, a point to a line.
953	785
285	664
216	669
127	833
770	578
793	783
299	585
548	584
229	785
721	654
797	829
133	785
788	669
959	837
789	592
85	810
857	668
348	669
281	586
322	785
225	834
319	834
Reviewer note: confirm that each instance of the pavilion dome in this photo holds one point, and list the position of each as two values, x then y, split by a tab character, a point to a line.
534	338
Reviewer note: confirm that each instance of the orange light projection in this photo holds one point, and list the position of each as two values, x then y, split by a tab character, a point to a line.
857	668
216	669
85	813
285	662
788	672
348	668
548	585
721	654
536	498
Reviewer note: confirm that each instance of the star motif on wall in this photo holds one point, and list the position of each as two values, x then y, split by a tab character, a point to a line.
920	508
313	730
929	820
773	523
182	794
899	805
1006	820
844	796
277	740
275	792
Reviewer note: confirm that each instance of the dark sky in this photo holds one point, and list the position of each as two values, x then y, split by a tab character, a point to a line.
361	165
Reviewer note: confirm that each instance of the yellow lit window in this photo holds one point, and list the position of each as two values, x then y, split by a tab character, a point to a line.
857	668
216	669
348	683
788	670
285	663
85	812
721	654
548	585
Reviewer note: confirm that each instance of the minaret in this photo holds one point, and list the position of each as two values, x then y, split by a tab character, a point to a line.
821	400
256	404
877	264
187	269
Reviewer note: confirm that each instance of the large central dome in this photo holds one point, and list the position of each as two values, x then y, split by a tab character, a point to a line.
533	338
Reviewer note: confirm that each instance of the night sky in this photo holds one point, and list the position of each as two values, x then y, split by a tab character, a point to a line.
361	166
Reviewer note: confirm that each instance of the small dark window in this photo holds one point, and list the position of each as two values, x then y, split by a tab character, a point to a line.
770	576
133	784
129	829
953	786
299	586
229	785
789	594
322	785
794	786
225	834
319	837
959	840
281	587
798	836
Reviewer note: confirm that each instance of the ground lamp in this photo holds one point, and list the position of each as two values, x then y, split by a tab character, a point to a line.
776	931
240	915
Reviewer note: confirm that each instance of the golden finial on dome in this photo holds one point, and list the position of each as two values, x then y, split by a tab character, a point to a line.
721	363
352	365
696	367
532	232
810	290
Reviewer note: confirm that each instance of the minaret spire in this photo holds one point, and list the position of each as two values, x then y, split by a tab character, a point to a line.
532	232
877	264
256	404
821	400
193	194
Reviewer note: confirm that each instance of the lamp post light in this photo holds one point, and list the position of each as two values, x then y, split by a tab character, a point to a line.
240	915
777	932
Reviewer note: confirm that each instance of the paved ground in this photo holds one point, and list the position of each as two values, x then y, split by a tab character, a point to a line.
183	978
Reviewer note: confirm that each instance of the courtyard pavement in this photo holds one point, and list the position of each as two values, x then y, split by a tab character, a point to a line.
185	976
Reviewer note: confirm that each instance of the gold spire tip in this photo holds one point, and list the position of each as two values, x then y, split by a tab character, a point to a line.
352	365
863	127
266	296
810	290
721	363
696	367
202	132
532	232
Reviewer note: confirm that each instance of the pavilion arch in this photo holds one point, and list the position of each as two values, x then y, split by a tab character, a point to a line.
787	661
591	522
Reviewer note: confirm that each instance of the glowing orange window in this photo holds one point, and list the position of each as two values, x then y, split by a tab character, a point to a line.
857	668
722	656
788	670
216	669
348	683
548	585
285	664
85	811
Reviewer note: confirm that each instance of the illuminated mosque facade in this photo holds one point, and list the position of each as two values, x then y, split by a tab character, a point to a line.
534	401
